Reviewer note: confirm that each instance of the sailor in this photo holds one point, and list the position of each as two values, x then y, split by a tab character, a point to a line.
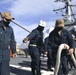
35	46
6	40
48	52
73	32
57	37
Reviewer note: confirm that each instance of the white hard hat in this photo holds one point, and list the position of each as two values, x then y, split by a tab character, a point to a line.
42	23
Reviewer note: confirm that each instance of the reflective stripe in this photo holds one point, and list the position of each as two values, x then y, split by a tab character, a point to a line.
32	45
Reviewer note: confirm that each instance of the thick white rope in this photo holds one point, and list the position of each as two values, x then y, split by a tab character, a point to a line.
61	47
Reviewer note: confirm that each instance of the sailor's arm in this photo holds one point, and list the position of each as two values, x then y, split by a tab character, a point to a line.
29	37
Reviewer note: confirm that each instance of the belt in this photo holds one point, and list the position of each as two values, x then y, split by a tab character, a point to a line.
33	45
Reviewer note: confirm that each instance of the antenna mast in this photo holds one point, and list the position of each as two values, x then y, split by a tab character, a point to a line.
68	9
68	12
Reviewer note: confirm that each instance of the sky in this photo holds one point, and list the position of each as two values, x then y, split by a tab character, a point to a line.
28	13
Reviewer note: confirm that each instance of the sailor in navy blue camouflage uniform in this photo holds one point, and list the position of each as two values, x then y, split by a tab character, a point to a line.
35	46
6	40
57	37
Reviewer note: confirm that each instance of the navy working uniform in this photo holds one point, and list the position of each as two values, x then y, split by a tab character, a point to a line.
6	40
50	63
55	40
35	46
70	62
